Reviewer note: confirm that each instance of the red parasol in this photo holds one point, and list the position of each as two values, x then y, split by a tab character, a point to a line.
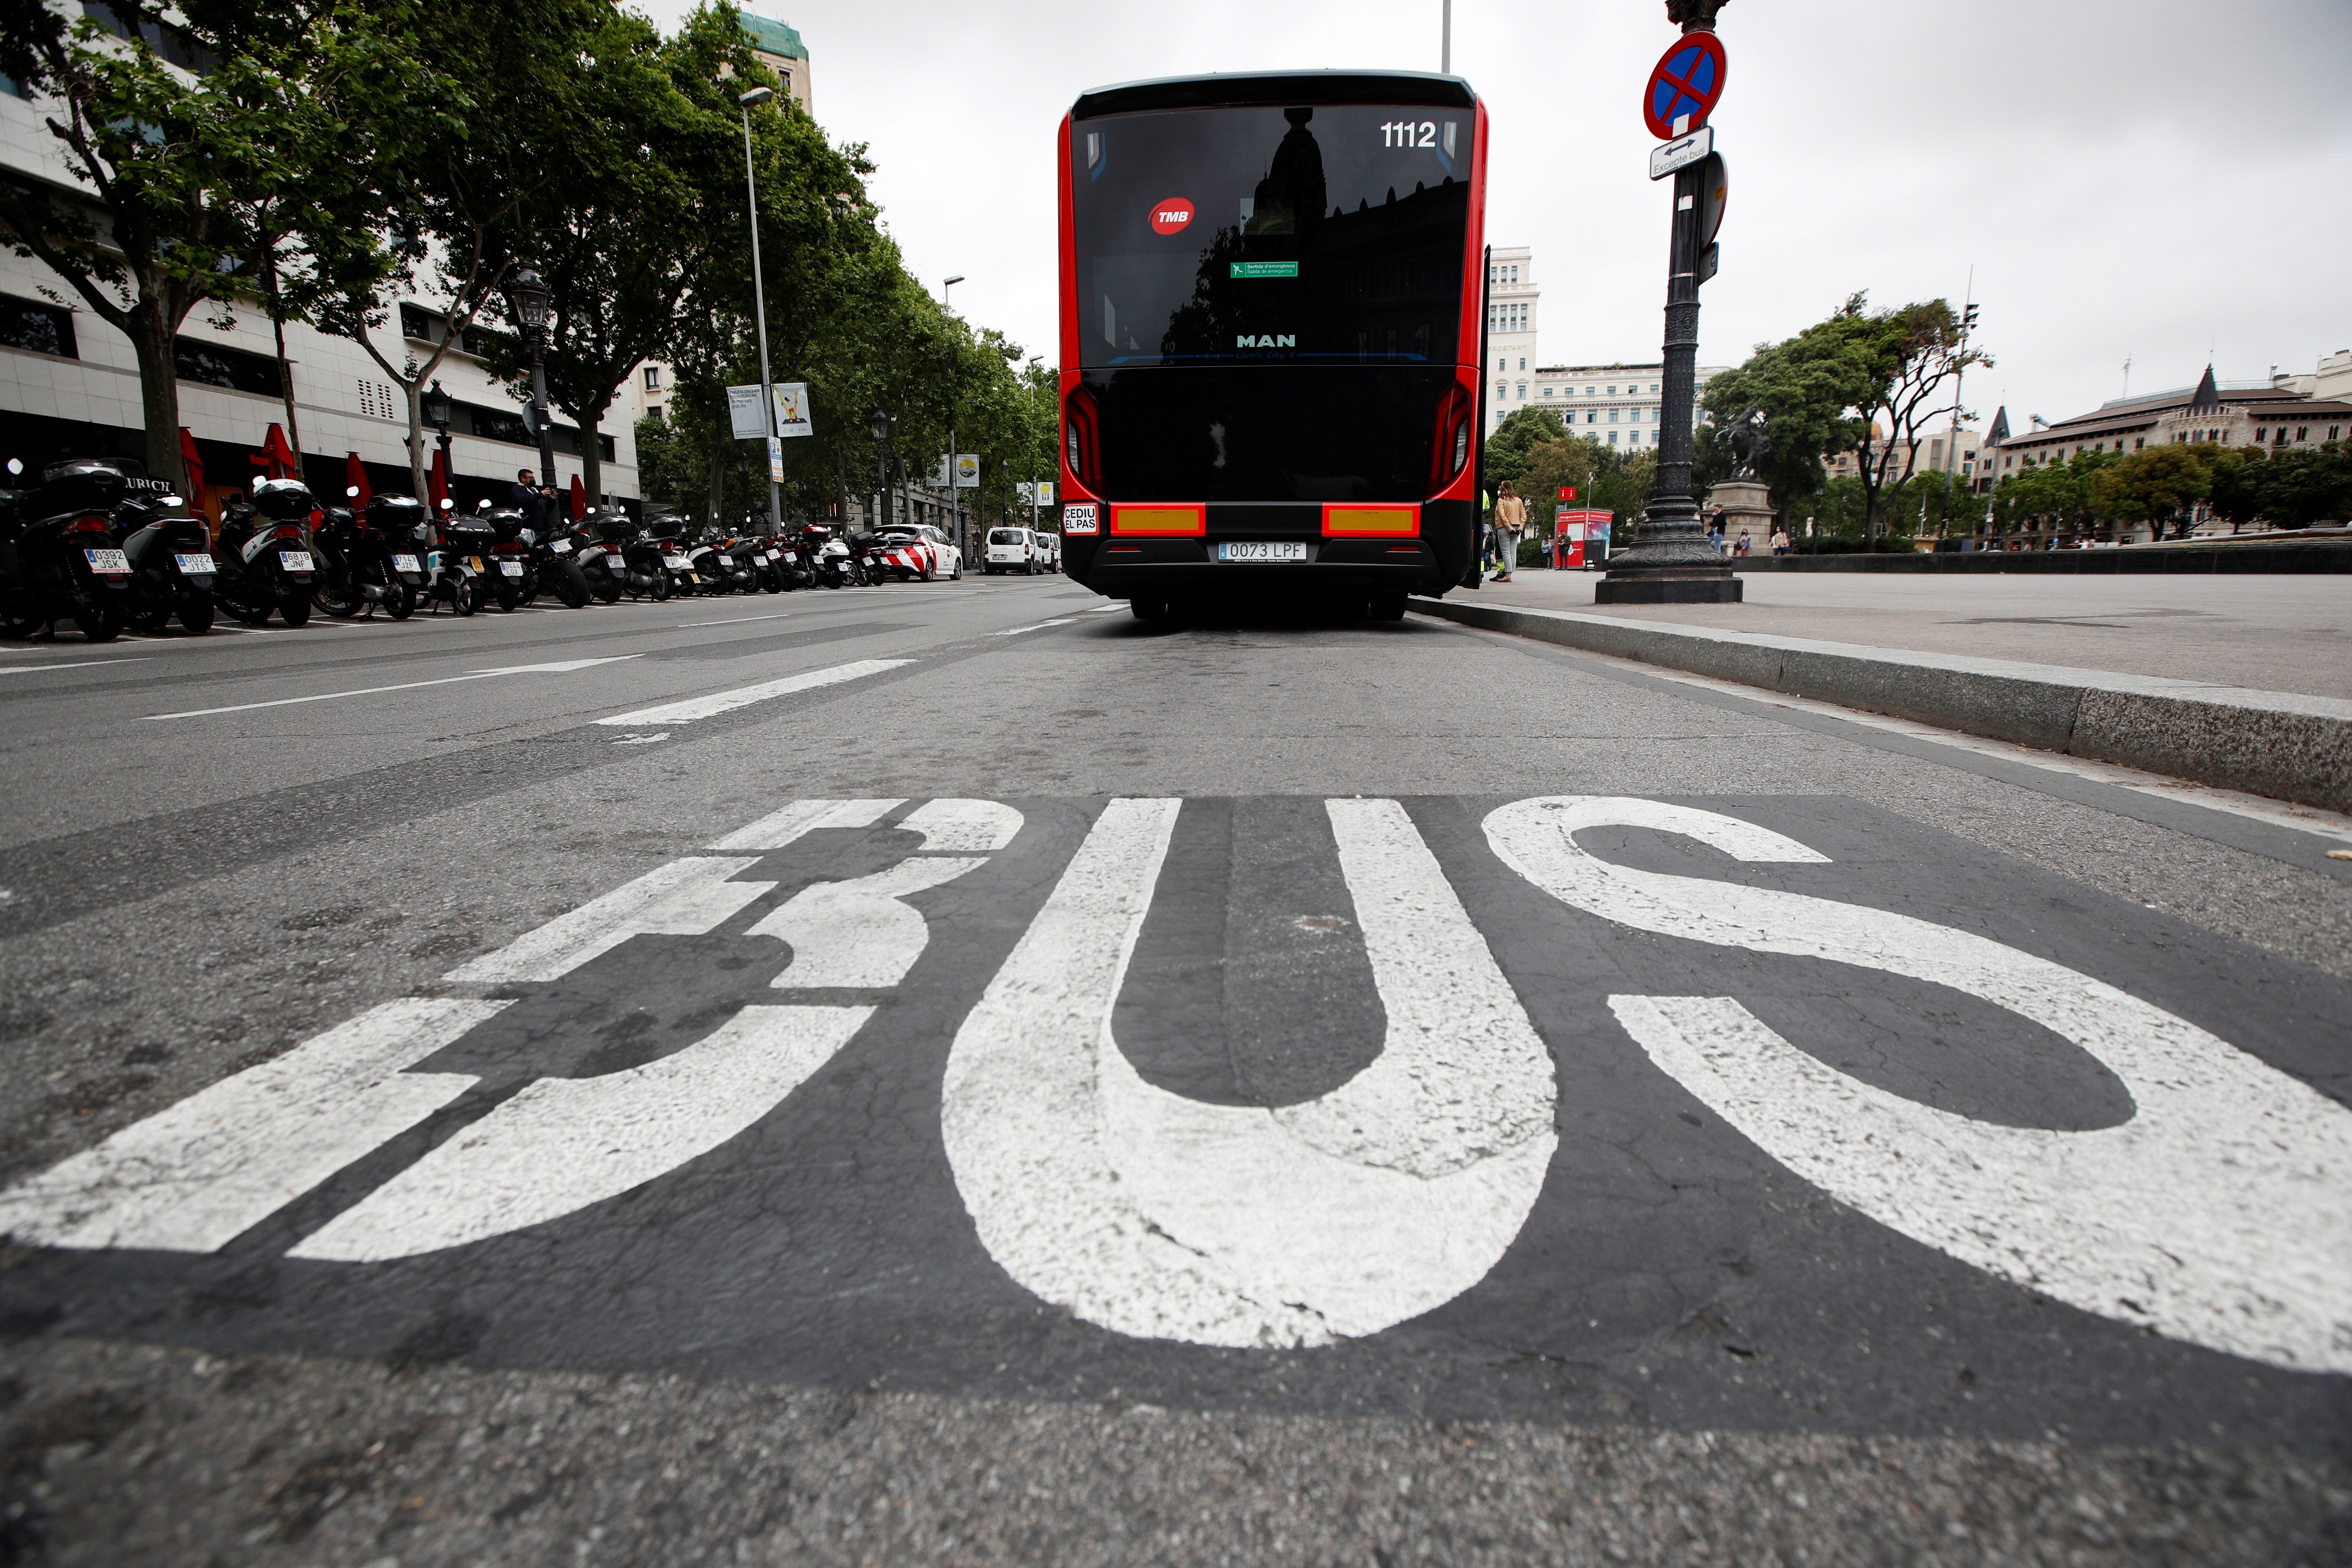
191	460
355	476
436	480
276	456
579	499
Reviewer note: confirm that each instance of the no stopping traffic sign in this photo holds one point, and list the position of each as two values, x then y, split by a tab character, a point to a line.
1685	86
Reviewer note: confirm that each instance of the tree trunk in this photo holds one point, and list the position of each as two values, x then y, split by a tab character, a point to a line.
717	482
417	443
592	456
285	365
159	392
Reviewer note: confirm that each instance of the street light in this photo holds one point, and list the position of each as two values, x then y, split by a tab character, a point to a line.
955	496
435	406
526	298
750	101
880	422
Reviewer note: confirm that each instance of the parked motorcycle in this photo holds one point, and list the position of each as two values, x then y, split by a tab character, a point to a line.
835	566
562	561
171	566
677	564
508	574
359	553
264	554
59	558
461	567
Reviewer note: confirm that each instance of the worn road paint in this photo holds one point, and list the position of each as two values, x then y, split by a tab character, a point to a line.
561	1145
196	1175
2215	1214
684	898
963	827
562	668
694	708
1163	1217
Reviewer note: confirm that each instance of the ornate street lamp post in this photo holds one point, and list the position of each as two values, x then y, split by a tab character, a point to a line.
1671	561
528	298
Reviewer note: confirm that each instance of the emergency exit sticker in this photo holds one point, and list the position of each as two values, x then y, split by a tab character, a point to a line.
1171	215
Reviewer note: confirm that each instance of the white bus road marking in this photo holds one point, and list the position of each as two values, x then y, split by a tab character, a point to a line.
198	1174
694	708
77	664
563	666
1163	1217
1041	626
789	821
2215	1214
561	1145
858	933
736	620
684	898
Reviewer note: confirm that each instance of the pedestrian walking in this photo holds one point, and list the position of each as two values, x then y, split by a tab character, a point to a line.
1511	522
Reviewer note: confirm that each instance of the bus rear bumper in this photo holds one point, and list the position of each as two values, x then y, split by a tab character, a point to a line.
1127	567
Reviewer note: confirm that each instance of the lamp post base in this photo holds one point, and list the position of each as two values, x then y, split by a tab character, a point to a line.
1715	588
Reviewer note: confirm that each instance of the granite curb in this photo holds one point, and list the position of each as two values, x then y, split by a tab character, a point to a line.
2277	744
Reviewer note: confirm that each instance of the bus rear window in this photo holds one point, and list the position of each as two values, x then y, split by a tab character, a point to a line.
1330	234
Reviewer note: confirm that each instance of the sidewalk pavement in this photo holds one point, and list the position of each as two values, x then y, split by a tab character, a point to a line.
2153	685
2277	633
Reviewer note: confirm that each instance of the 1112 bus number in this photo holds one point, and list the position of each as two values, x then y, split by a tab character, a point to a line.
1406	133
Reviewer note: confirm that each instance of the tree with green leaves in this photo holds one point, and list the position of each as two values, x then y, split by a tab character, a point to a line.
2160	485
1513	439
1861	381
200	137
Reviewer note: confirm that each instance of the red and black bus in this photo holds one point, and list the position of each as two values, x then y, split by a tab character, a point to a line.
1272	291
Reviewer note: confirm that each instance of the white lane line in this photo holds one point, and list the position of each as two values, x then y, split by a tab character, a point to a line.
694	708
1041	626
77	664
562	667
739	620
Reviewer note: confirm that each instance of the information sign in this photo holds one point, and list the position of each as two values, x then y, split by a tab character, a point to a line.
792	409
1682	152
744	414
967	471
775	461
1684	87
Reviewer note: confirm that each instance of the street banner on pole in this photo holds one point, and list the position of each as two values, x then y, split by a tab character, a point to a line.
938	478
1044	492
743	413
775	461
967	471
792	409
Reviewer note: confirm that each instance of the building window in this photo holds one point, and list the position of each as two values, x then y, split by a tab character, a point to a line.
1502	364
1501	390
1612	437
653	378
1613	419
41	329
1523	392
2138	442
1523	362
1613	392
1592	415
2336	432
237	371
2303	431
653	410
1547	391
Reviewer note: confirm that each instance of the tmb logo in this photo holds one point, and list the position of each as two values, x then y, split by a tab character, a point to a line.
1171	215
1267	340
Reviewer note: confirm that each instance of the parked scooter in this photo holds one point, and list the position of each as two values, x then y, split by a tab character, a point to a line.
836	566
357	565
264	557
459	568
58	559
171	566
677	563
560	562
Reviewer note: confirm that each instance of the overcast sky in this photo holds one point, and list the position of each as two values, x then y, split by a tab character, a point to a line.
2150	179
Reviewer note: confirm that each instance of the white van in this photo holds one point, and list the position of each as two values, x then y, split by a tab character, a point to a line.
1049	551
1012	550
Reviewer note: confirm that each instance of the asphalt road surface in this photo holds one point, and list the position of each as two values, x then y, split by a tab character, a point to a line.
948	1074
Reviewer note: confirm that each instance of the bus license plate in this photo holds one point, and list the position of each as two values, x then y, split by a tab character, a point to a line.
405	563
1262	549
108	562
195	565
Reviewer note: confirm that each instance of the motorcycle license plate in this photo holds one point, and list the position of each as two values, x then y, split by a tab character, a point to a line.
108	562
195	565
511	568
405	563
676	562
790	557
561	547
295	561
1261	550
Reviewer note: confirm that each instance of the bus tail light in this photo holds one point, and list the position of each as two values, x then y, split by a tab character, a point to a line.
1082	437
1449	451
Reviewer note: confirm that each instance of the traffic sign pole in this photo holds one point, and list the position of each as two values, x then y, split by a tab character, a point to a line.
1671	561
